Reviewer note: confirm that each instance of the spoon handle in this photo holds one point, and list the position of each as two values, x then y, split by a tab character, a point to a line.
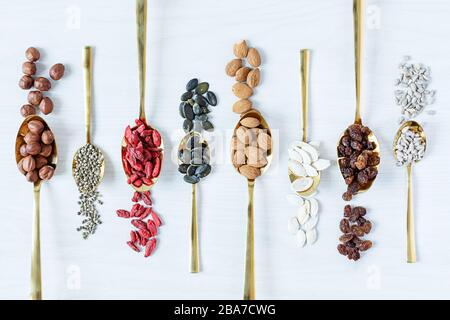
411	243
36	284
141	22
304	70
87	68
358	15
195	259
249	283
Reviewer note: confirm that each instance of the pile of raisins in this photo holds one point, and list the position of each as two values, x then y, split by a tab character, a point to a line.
354	226
358	160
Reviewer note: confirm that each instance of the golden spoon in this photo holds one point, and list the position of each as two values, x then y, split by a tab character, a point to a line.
36	280
87	68
411	244
249	282
304	70
195	248
141	22
358	15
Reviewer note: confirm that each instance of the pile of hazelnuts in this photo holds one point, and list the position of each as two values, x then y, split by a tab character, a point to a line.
29	80
36	151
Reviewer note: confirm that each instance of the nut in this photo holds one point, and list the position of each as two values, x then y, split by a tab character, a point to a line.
56	72
29	68
46	105
242	91
253	58
40	162
32	54
238	158
241	74
240	49
34	148
250	172
47	137
233	66
26	82
250	122
46	150
20	167
27	110
34	98
242	106
254	155
28	164
46	172
31	137
264	140
242	133
36	126
42	84
23	150
236	144
32	176
253	78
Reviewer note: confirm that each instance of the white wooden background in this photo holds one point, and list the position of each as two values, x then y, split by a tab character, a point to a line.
194	39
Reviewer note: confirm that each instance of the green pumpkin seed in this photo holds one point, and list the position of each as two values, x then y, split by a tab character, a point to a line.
191	170
202	87
203	170
192	84
186	96
212	99
182	168
197	109
207	126
198	98
188	112
187	125
201	117
191	179
181	109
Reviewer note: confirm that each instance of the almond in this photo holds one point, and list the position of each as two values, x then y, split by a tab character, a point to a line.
242	74
264	140
236	144
242	106
243	135
240	49
250	122
241	90
253	78
238	158
254	58
250	172
254	155
233	66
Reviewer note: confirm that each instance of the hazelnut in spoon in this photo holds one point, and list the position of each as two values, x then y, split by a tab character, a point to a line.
251	151
36	158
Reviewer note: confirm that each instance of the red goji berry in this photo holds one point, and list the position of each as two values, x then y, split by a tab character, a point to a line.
139	224
150	247
151	226
123	213
156	219
133	246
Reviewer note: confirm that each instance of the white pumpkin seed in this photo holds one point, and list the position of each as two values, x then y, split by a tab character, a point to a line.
311	223
297	168
321	164
314	207
293	226
295	199
294	155
302	184
315	144
311	236
313	153
301	238
310	170
302	215
306	158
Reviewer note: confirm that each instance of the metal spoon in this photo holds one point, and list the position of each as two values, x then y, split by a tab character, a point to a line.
249	282
411	244
141	22
358	15
195	248
36	280
304	71
87	68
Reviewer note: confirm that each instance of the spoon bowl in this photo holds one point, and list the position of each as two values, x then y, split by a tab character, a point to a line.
201	142
414	127
102	165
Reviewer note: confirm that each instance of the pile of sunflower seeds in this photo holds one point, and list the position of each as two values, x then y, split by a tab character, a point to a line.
413	95
410	147
87	174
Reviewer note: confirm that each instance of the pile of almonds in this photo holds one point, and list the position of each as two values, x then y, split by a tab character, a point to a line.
29	80
247	77
354	226
36	152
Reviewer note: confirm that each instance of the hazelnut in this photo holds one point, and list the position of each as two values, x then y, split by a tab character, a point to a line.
32	176
46	173
36	126
42	84
47	137
23	150
28	164
27	110
32	54
46	105
26	82
31	137
20	167
40	162
46	150
34	148
29	68
56	72
34	97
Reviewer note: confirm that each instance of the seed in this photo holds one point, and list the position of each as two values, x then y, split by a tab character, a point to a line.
186	96
192	84
191	179
207	126
191	170
202	88
182	168
188	125
181	110
203	170
212	99
197	109
188	112
200	100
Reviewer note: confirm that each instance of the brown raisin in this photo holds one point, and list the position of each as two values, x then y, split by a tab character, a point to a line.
367	227
347	196
361	162
360	210
346	141
357	231
363	178
373	160
349	180
353	188
347	211
365	245
356	145
344	225
345	238
342	249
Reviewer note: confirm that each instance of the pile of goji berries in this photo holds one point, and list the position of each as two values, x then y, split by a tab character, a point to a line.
144	237
142	155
